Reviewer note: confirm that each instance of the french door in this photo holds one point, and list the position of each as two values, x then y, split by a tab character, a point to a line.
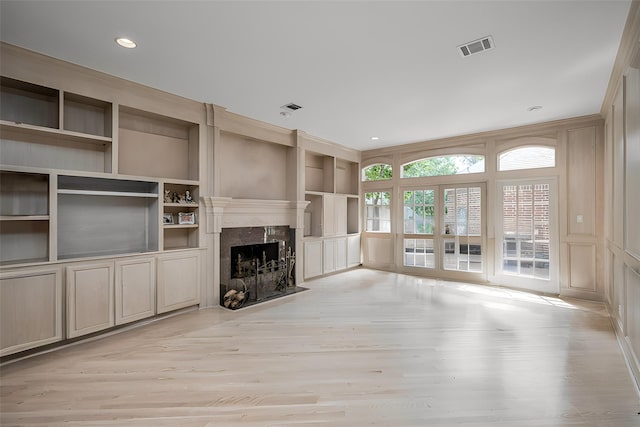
526	235
443	228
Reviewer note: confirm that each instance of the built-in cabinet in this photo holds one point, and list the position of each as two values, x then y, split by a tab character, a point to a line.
332	214
99	209
30	308
178	281
135	289
90	297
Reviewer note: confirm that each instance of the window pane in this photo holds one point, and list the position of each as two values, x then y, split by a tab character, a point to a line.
541	270
419	253
527	158
378	211
444	165
419	211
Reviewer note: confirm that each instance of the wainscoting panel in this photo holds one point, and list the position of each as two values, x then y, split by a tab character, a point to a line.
582	266
633	313
379	252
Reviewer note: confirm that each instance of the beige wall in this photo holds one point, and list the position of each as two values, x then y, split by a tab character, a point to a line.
622	188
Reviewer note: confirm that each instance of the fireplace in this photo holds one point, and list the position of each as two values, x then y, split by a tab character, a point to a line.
256	265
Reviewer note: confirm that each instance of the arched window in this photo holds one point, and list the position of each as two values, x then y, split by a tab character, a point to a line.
444	165
532	157
377	172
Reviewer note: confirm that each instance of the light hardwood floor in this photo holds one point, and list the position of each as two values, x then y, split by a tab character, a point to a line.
360	348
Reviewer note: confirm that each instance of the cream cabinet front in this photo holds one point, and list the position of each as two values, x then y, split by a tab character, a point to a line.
135	289
334	253
353	250
90	297
312	258
328	256
30	309
178	281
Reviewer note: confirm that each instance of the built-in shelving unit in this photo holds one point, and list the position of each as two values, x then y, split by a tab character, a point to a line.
332	215
82	184
327	179
180	199
24	217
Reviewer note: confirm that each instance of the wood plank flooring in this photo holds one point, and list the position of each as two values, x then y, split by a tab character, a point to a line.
363	348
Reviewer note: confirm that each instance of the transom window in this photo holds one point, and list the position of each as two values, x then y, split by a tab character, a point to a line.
444	165
527	158
377	172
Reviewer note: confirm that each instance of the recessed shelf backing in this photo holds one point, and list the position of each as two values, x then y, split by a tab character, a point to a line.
158	146
23	102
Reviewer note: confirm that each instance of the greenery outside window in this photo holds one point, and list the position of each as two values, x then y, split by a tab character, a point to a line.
377	172
419	211
444	165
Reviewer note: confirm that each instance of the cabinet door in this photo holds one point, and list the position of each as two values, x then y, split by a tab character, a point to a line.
353	251
135	288
178	281
89	298
30	309
328	256
340	215
341	253
328	215
312	258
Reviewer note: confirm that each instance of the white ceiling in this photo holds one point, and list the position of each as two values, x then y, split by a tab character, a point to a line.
358	68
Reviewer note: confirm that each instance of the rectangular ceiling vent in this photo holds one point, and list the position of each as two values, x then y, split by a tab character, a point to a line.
476	46
291	107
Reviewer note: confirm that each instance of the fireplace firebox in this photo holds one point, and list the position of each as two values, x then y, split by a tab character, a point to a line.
256	265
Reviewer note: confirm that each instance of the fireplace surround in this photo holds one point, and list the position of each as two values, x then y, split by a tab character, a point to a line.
235	223
256	265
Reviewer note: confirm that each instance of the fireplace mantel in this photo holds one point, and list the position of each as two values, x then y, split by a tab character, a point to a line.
227	212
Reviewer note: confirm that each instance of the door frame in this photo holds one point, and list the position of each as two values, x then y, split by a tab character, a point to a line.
439	233
551	286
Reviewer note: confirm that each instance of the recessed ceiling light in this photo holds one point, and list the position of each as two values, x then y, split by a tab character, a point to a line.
124	42
535	108
285	114
375	138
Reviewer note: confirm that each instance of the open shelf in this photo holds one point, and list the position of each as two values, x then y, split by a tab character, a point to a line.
22	102
157	146
101	216
87	115
313	215
24	241
347	177
353	215
319	172
24	217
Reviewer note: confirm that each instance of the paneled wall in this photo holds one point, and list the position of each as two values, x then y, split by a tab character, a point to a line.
579	145
622	187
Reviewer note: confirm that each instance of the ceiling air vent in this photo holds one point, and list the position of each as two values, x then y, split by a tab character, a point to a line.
291	107
476	46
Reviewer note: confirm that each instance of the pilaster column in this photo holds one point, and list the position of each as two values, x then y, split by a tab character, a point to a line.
214	208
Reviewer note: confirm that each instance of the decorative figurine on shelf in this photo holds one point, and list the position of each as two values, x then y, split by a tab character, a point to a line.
187	197
181	198
175	198
167	196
